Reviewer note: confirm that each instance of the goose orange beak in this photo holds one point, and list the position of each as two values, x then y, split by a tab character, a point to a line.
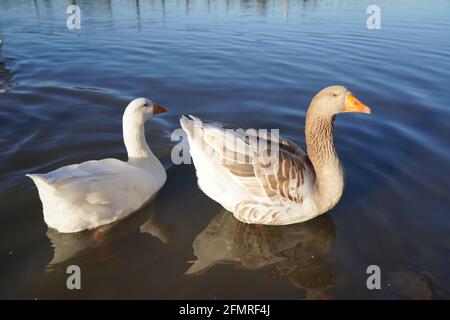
354	105
157	108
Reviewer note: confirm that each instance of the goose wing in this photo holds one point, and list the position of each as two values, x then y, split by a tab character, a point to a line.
105	188
269	167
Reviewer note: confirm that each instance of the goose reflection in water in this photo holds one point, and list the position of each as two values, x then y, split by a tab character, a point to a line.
295	251
5	74
70	245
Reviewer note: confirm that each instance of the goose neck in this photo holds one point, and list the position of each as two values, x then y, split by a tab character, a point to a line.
134	139
329	183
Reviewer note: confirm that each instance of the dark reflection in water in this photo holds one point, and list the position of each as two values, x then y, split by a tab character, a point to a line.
256	64
5	74
70	245
295	251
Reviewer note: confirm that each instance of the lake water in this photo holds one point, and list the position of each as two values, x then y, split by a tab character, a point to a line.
256	64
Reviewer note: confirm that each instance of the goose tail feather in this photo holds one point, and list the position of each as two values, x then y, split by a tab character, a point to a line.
39	180
189	125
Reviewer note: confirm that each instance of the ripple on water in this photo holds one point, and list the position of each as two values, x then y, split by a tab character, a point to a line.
62	95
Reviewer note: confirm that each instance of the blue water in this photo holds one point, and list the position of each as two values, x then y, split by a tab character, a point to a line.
256	64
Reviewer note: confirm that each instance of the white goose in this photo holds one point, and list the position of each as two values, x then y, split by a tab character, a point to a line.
93	193
233	168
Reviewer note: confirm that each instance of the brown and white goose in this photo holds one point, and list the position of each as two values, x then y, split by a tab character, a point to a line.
265	179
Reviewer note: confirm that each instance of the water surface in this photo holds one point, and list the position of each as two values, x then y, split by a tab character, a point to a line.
256	64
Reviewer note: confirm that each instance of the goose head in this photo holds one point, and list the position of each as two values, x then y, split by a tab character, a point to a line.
141	109
334	100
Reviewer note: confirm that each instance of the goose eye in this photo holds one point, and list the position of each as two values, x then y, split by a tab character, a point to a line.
335	95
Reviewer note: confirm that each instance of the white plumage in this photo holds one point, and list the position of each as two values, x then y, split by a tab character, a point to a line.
230	169
87	195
